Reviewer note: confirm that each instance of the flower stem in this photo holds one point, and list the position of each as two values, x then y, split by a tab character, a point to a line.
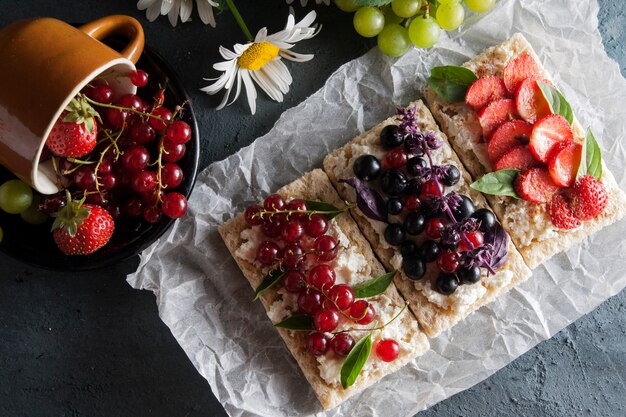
239	20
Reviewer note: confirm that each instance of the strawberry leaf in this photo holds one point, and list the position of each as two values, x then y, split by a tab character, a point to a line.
355	360
71	215
297	322
497	183
268	282
374	286
558	104
450	82
591	157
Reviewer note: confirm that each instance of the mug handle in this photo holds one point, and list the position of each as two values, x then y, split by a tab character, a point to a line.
118	25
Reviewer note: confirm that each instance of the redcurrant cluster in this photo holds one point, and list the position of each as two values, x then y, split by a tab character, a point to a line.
133	170
297	242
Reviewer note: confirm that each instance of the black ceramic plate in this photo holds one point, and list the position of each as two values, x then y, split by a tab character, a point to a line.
34	244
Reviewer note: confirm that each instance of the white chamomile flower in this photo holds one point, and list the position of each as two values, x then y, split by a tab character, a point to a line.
260	62
178	8
304	2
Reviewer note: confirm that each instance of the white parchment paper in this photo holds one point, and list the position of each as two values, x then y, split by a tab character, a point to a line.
206	302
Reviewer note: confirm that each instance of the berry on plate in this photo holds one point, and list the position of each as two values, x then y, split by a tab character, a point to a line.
516	71
547	133
536	185
589	198
564	163
75	131
509	135
517	158
485	90
81	229
561	213
496	113
531	104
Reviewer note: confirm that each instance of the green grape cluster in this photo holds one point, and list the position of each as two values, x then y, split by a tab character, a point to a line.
16	197
399	24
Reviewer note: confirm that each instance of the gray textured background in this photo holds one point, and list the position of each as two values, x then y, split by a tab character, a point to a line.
86	344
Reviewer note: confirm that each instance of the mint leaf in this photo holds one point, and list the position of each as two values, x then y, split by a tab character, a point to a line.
329	210
367	3
268	282
450	82
355	360
297	322
591	157
558	104
374	286
497	183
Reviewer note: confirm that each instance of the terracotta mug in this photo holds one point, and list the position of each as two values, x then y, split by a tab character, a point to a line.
44	64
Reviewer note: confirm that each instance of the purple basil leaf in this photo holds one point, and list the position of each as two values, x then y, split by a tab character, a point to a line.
499	240
369	201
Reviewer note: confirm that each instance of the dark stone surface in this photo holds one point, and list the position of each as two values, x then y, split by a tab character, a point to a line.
86	344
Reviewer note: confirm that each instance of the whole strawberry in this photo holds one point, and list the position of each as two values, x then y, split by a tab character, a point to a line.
81	229
589	198
561	213
75	131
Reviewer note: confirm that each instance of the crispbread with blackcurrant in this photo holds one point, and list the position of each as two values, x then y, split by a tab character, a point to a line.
422	219
517	135
323	288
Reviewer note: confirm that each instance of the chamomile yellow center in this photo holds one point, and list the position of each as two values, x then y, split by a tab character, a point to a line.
257	55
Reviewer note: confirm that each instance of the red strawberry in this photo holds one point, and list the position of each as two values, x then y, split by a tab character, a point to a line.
547	133
564	162
531	104
536	185
518	70
485	90
517	158
561	213
509	135
81	229
496	113
74	133
589	198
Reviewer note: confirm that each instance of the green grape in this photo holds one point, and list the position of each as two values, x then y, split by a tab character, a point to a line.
347	5
33	215
450	16
406	8
480	6
424	32
15	196
368	21
394	40
391	18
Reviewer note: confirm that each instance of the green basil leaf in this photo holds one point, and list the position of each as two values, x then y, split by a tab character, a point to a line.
374	286
497	183
558	104
355	360
450	82
331	210
368	3
591	157
297	322
268	282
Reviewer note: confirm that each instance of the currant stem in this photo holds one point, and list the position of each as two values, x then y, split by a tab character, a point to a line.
129	109
371	329
239	20
310	213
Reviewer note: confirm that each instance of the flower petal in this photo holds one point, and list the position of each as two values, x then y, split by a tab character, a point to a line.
250	89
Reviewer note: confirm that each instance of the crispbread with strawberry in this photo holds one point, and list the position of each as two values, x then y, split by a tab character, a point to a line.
542	174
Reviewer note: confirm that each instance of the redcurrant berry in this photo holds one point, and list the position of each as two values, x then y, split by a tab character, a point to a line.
144	181
141	132
252	216
326	319
321	277
342	295
297	205
179	132
273	226
395	158
362	312
448	261
293	231
431	188
293	255
387	350
139	78
174	205
412	203
163	116
294	282
84	178
152	214
171	175
266	252
136	158
326	247
310	301
433	228
173	152
316	225
475	238
133	207
317	343
273	202
342	343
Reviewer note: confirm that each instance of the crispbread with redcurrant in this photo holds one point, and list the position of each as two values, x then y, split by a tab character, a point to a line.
332	287
539	159
451	255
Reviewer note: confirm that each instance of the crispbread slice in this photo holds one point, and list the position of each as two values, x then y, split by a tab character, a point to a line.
316	186
434	311
528	224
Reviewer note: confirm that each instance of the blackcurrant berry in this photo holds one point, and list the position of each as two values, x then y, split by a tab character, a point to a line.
447	283
451	176
414	223
389	137
413	187
465	209
394	234
486	218
393	182
394	205
366	167
408	248
429	251
469	275
414	268
414	165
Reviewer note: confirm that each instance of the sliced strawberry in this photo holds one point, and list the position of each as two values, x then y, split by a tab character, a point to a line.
589	198
531	104
518	70
561	213
564	162
485	90
496	113
536	185
517	158
547	133
509	135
